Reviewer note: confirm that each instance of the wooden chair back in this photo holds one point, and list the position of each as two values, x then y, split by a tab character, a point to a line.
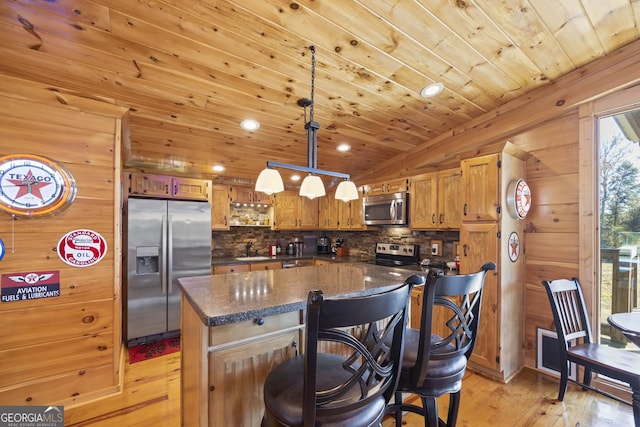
569	311
376	350
461	297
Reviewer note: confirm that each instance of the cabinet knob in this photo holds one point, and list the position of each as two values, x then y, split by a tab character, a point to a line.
260	321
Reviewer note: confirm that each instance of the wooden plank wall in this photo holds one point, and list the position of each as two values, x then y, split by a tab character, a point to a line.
551	227
66	349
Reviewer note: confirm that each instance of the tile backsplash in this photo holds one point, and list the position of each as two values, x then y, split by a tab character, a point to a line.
233	243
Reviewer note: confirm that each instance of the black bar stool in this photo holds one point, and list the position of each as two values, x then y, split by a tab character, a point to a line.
350	366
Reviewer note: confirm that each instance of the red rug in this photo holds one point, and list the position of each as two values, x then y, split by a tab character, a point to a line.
154	349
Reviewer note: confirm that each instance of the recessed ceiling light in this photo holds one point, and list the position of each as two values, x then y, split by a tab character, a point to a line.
431	90
295	177
218	168
249	124
343	147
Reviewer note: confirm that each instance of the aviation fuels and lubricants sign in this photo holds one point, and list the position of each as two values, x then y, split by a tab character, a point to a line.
29	285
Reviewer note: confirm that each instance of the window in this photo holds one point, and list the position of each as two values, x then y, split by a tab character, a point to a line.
619	220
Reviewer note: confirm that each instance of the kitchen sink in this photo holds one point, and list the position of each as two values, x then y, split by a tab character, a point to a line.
253	258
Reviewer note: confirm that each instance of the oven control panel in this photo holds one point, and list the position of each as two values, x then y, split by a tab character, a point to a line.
397	249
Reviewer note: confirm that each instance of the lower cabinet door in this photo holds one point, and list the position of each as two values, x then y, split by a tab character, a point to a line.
237	375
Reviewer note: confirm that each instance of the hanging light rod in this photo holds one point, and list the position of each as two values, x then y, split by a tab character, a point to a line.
269	181
271	164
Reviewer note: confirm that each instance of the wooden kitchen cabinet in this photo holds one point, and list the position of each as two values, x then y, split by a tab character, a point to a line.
486	234
350	215
415	309
292	212
266	265
435	200
317	262
225	366
480	188
440	314
338	215
220	211
479	244
245	366
449	203
231	268
398	185
150	185
328	212
248	195
246	267
423	205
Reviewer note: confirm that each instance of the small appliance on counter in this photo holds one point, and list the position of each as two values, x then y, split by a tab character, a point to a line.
341	248
324	245
291	248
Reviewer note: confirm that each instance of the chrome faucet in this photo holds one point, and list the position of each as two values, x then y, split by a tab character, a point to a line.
249	246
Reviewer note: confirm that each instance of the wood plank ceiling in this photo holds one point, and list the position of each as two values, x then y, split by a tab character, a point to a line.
192	70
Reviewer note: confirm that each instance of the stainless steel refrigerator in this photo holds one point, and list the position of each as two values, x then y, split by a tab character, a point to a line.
166	240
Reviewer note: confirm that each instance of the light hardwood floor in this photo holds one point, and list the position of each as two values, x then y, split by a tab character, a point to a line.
151	397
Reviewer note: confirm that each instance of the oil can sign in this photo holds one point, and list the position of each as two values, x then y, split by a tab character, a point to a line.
82	248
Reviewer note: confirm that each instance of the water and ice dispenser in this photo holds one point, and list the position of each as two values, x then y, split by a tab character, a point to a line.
147	260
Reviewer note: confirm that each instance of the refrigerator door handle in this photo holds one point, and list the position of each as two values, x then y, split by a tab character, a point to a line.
170	254
163	276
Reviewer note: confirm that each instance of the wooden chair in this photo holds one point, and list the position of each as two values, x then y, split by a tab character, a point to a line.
351	386
576	344
434	365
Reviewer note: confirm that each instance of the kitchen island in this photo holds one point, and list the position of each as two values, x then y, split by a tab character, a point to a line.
237	327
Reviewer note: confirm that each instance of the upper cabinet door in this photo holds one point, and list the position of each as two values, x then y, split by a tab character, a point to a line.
328	212
307	213
170	187
220	207
449	200
286	211
423	201
398	185
190	188
144	184
480	188
239	194
434	200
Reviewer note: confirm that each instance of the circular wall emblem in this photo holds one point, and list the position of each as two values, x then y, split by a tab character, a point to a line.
82	248
518	199
514	246
34	186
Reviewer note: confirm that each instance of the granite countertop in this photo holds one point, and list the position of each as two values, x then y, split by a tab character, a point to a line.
250	260
229	298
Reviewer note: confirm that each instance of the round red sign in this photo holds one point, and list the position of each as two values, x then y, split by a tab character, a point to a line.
518	199
82	248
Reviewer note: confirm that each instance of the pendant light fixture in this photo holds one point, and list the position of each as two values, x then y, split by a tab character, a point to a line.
269	181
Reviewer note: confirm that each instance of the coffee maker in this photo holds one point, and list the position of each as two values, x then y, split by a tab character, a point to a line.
324	245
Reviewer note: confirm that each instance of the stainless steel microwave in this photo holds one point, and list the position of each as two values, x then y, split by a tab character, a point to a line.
385	209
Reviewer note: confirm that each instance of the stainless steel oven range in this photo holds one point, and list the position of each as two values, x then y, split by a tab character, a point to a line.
398	255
